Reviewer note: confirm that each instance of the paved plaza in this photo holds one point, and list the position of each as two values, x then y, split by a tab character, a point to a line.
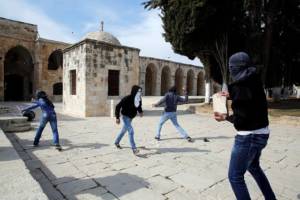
90	167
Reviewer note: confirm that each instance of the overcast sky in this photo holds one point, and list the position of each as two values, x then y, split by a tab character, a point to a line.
70	20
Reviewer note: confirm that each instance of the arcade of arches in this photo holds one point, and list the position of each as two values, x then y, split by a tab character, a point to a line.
158	77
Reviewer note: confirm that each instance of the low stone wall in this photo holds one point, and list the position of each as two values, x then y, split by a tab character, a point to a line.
15	179
14	124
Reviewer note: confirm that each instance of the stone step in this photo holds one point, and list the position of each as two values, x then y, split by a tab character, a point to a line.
14	124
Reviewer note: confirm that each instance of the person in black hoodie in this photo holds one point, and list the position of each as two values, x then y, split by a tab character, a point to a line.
250	119
129	106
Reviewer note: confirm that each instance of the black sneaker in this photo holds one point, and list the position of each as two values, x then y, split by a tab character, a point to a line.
206	140
157	138
189	139
58	147
118	146
135	151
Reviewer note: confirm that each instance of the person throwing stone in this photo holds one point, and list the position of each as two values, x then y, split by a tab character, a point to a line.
171	99
48	115
250	119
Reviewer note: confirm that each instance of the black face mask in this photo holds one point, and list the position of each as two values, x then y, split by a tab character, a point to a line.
239	73
240	66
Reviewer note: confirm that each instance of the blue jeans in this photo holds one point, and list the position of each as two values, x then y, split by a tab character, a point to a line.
173	117
245	156
126	127
51	118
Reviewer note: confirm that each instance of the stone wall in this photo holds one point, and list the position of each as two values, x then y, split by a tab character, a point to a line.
47	78
75	59
99	59
102	57
14	34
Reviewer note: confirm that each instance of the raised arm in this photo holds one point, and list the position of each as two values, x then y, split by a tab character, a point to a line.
163	100
34	106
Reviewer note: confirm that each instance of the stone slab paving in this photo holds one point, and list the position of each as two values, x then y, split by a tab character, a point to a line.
15	180
90	167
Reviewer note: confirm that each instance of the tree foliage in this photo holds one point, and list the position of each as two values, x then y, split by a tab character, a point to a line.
212	30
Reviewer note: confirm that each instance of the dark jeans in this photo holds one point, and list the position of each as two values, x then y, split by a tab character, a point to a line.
245	156
51	118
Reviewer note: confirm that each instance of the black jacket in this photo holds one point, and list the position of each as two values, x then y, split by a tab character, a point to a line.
126	105
249	104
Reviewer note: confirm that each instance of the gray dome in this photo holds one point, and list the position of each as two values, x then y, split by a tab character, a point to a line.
103	37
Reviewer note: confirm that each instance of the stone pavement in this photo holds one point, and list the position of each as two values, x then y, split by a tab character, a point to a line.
90	167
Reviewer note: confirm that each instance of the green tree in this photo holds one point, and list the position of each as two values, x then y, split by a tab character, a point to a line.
202	29
212	30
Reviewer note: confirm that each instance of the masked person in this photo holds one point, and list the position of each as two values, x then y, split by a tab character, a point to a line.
48	115
171	99
129	106
250	119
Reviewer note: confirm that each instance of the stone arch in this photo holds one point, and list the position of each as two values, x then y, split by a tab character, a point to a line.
150	80
165	79
55	60
57	88
200	84
190	82
18	74
179	80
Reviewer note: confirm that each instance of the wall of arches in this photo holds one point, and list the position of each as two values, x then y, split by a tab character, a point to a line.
157	76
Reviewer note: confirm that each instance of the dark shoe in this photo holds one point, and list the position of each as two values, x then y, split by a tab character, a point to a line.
135	151
189	139
58	147
157	138
118	146
205	140
35	145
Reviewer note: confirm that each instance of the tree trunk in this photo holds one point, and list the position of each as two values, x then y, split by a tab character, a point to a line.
271	10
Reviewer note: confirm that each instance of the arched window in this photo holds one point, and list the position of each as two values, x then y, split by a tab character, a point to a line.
179	81
190	82
165	80
55	60
150	80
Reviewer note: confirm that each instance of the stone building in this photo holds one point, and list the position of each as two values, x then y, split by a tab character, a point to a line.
28	62
89	73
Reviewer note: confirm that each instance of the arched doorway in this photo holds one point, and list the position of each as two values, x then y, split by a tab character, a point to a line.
18	74
200	84
190	82
150	80
55	60
165	80
179	81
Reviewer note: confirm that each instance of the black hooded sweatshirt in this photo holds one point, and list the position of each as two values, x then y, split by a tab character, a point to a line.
127	106
249	104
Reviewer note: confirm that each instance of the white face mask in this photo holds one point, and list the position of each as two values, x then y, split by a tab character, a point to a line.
138	98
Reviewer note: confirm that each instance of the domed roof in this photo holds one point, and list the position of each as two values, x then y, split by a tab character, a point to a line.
103	37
